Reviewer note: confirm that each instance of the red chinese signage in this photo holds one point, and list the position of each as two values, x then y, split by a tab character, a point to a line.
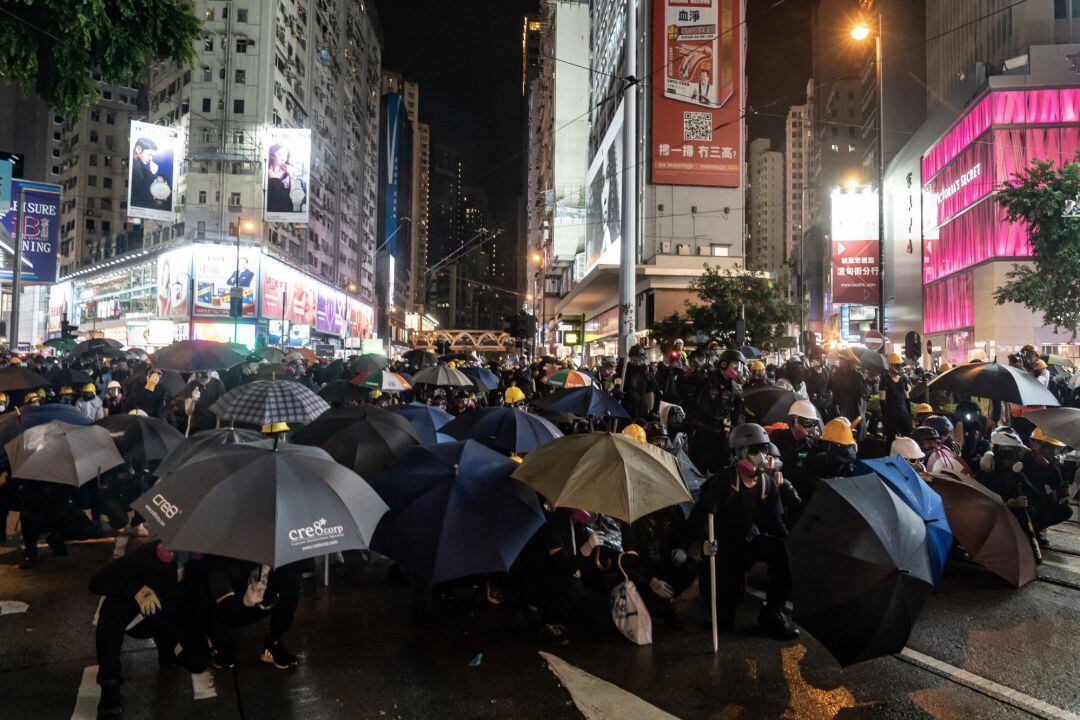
855	272
696	91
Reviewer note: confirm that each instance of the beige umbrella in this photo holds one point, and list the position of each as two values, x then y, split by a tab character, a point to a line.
607	473
62	453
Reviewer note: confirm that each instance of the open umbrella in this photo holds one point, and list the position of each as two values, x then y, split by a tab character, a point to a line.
872	359
364	438
509	430
271	354
692	478
208	440
484	379
16	377
196	356
454	512
368	363
340	392
68	376
266	505
170	382
15	423
303	354
418	358
1061	423
141	438
584	402
768	403
270	401
902	479
60	453
987	530
607	473
859	568
996	382
442	376
1060	361
750	352
60	345
427	420
383	380
569	379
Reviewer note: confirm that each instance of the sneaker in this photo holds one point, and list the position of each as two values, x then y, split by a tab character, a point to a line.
777	623
554	635
225	659
281	658
140	531
109	704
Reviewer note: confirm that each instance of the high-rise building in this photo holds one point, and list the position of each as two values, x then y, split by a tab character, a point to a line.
766	243
446	228
393	255
797	136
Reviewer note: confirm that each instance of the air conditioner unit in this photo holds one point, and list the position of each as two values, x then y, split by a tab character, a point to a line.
683	249
665	247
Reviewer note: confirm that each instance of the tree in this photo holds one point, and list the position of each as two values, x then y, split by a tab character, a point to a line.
51	47
1038	197
722	294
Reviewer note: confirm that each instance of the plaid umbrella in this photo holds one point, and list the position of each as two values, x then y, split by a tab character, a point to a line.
383	380
270	401
196	356
16	377
569	379
443	376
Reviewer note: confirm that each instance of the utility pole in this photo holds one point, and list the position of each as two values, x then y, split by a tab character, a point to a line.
16	273
628	250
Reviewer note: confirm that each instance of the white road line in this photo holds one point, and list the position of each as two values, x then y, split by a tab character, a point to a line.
202	685
97	612
89	694
13	607
598	699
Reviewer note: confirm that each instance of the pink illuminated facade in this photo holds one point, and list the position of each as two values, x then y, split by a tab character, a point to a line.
963	228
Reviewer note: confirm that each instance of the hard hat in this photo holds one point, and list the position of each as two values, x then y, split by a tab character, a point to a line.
924	409
66	390
3	397
376	394
944	367
275	427
637	351
730	356
1005	437
906	448
635	431
804	409
757	366
1041	364
838	430
113	384
942	424
924	433
30	396
747	435
89	387
14	360
655	430
513	395
517	459
1039	436
1029	348
893	359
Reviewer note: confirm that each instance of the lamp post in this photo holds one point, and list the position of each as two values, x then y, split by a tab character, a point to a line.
236	294
861	31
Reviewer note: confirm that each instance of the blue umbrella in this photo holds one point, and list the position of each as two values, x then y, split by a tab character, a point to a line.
584	402
15	423
902	479
750	352
427	420
506	429
484	379
454	512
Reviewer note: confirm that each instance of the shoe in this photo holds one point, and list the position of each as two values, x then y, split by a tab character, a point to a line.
140	531
29	563
281	658
224	659
554	635
1043	541
109	704
777	623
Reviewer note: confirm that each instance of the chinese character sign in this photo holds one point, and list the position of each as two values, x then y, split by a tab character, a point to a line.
697	127
855	270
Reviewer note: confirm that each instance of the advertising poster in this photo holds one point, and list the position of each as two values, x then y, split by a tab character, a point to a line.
216	274
173	283
603	198
41	226
361	320
275	288
329	314
59	306
697	48
151	164
302	300
855	271
288	165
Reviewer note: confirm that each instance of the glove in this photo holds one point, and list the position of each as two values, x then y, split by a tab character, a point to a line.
708	548
661	588
986	462
256	588
594	541
147	600
1018	502
678	556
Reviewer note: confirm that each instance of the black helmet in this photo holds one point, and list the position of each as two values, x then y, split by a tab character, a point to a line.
731	356
942	424
923	433
747	435
655	430
637	351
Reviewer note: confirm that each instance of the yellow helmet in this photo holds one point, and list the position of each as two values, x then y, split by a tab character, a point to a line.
635	431
14	360
66	390
838	430
1039	436
31	396
513	395
757	366
1029	348
1041	364
924	408
89	387
894	359
3	397
944	367
277	427
376	394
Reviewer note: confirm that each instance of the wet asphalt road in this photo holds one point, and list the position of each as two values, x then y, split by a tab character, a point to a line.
363	658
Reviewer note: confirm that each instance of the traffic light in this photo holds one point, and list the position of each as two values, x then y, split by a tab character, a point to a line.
512	325
67	330
912	345
528	325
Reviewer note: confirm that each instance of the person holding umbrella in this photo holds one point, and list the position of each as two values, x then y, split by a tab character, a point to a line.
749	519
896	408
206	391
835	458
1042	467
1002	471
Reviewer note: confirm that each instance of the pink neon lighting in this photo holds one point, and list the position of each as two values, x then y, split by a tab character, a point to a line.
979	234
949	304
963	181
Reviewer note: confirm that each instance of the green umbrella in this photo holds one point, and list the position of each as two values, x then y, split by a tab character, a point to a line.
61	345
607	473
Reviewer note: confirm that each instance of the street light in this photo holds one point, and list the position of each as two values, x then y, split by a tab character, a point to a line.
537	258
861	31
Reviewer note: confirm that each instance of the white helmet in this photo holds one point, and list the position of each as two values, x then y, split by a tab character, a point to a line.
804	409
1005	436
785	384
113	384
906	448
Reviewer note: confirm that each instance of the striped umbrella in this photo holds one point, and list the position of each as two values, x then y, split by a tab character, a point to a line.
383	380
570	379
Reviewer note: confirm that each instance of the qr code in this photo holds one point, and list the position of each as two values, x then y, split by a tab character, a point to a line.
697	126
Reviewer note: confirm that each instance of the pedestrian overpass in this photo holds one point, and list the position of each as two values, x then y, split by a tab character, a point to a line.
465	340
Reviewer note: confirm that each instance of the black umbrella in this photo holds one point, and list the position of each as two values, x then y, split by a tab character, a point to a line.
271	354
206	440
60	453
68	376
368	363
872	359
484	379
507	429
273	371
266	505
341	392
141	438
196	356
16	377
996	382
333	371
15	423
860	568
364	438
768	403
170	382
103	347
420	358
584	402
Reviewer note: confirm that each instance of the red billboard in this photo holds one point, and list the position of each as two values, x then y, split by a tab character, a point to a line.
696	88
855	272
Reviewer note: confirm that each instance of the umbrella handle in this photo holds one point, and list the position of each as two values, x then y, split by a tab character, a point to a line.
187	432
712	588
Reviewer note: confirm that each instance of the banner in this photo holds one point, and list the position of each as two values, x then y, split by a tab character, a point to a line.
216	274
151	164
361	320
303	300
603	198
855	270
59	306
41	226
288	164
696	122
330	313
173	283
276	278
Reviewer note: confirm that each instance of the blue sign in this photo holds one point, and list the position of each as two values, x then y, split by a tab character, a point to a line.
392	140
40	230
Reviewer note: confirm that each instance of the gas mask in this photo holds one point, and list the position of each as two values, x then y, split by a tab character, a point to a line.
841	455
754	462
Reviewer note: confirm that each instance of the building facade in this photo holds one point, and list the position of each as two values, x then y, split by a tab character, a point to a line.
766	246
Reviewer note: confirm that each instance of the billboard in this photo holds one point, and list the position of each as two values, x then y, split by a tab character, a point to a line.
217	272
288	167
173	283
855	270
330	311
60	306
152	155
696	121
603	198
41	225
361	321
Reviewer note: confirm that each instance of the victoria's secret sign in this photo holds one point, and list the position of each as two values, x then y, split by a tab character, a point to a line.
961	183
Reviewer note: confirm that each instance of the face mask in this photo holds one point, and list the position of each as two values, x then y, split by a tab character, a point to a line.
731	372
842	454
582	516
746	468
799	432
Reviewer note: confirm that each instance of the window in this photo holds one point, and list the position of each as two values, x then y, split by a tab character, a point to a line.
206	73
209	14
91	180
202	197
55	169
106	203
234	199
1076	9
238	137
93	159
95	115
238	107
206	105
90	225
200	228
241	76
242	44
93	136
106	227
107	94
208	43
241	15
106	182
110	118
851	132
1061	10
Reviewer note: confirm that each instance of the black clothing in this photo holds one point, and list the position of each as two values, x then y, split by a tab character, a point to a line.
850	393
896	408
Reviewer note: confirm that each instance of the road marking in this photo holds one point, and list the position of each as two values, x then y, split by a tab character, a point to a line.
89	694
202	685
598	699
13	607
